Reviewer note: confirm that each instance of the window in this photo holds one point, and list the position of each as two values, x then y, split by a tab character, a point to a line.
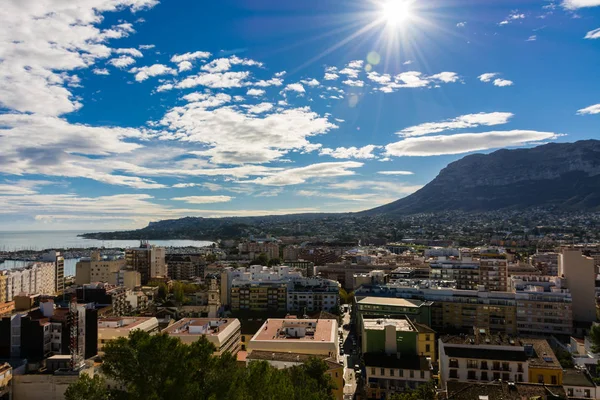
427	348
372	371
427	337
453	363
391	372
484	365
505	376
505	366
496	376
454	373
570	392
472	364
412	373
554	380
422	374
471	375
382	371
484	376
520	367
496	365
401	373
540	378
586	393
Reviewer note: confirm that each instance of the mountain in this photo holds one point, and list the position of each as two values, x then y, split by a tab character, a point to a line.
563	175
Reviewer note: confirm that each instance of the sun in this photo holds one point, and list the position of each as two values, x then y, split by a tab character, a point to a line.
396	12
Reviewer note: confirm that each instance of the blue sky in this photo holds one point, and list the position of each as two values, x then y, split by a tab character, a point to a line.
114	113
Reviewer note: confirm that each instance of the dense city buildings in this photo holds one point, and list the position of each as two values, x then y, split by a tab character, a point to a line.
148	260
38	278
254	247
183	267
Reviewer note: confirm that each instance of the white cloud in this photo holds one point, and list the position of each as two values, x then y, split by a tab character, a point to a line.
576	4
255	92
502	82
461	122
311	82
121	62
350	72
190	56
365	152
355	83
146	46
130	52
224	64
296	176
22	187
517	16
595	34
532	38
40	41
461	24
595	109
271	82
505	22
204	199
465	142
330	76
243	138
446	77
280	74
294	87
101	71
215	81
184	66
260	108
346	196
488	76
395	172
143	73
356	64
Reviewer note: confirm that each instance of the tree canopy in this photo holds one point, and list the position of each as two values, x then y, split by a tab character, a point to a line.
595	338
161	367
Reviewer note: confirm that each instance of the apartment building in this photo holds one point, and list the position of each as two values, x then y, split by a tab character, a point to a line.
257	246
546	263
493	311
37	278
312	294
6	375
223	333
56	258
378	307
98	269
579	272
103	294
344	272
3	288
485	357
543	305
392	361
303	336
148	260
493	273
262	297
465	272
111	328
184	267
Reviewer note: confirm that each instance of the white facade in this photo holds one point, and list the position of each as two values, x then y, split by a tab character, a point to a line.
38	278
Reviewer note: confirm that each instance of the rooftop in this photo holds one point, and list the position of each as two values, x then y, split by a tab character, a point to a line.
290	357
390	301
199	326
401	324
503	391
127	323
575	377
383	360
317	330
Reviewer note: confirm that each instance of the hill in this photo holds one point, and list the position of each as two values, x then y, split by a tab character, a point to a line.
562	175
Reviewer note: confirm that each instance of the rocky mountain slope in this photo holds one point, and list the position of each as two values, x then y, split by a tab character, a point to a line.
563	175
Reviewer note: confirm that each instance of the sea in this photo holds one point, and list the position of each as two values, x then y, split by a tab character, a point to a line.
41	240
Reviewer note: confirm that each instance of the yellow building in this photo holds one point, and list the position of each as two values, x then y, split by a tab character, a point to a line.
98	269
494	318
543	364
5	380
426	341
2	288
264	296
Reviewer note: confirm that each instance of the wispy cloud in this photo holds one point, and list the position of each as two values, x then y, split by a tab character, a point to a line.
395	172
577	4
595	109
461	122
595	34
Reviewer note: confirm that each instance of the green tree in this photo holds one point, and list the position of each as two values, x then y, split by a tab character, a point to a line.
273	261
423	392
595	338
179	292
345	297
163	291
262	259
87	388
160	367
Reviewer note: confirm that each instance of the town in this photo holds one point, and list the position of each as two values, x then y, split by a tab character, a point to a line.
385	320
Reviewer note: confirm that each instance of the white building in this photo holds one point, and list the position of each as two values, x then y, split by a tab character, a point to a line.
116	327
38	278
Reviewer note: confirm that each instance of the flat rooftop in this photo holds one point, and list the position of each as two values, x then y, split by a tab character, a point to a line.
122	322
199	326
305	330
390	301
402	325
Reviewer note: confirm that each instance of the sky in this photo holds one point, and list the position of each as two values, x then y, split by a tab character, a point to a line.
115	113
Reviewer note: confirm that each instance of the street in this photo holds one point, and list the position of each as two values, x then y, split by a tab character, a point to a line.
348	360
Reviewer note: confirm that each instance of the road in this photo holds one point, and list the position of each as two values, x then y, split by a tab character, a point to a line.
349	361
